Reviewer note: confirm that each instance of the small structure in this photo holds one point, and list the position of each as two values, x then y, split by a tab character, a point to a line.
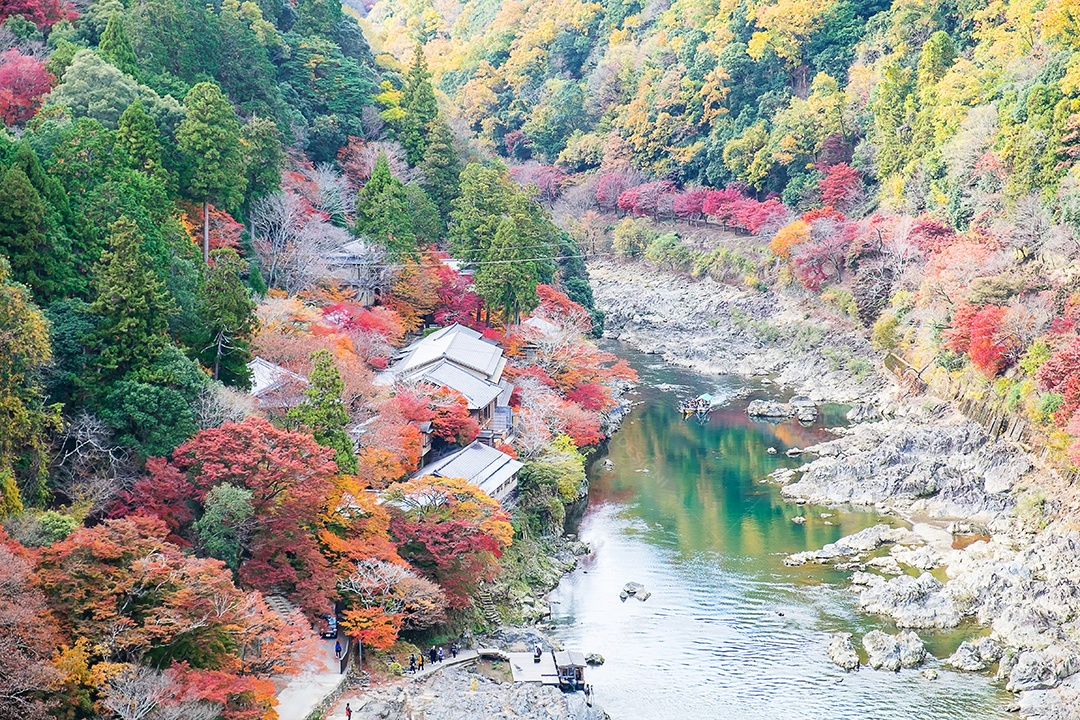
570	667
460	345
479	393
360	266
275	389
489	469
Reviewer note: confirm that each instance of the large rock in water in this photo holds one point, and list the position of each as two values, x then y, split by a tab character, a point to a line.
803	408
911	602
975	655
858	543
767	409
892	652
842	652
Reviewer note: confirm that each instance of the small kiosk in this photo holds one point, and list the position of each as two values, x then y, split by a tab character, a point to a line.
570	667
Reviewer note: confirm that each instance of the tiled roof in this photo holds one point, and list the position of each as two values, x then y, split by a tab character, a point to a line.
459	344
507	390
483	466
267	377
477	391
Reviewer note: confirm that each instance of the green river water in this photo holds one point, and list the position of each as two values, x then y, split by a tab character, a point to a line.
729	631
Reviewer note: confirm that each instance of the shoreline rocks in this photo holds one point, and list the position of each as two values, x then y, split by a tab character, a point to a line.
800	407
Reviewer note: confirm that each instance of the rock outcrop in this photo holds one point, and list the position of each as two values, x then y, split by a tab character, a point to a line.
842	652
722	329
911	602
892	652
854	545
975	655
800	407
937	466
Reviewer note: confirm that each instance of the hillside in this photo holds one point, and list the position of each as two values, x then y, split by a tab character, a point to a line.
912	164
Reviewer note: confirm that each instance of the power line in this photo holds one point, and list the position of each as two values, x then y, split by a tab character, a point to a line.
401	266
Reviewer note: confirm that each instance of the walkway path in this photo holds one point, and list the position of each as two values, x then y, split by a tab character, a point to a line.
301	693
356	696
463	656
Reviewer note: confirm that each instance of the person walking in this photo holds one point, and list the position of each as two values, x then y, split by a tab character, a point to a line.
432	655
337	650
412	663
348	712
440	654
421	664
453	650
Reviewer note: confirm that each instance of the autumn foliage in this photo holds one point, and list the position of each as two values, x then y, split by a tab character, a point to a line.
23	82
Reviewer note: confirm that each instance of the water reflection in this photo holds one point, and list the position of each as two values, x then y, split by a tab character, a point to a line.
729	631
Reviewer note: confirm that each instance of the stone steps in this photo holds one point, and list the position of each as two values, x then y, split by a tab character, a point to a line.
487	607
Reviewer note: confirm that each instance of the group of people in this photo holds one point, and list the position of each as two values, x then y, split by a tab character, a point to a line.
434	655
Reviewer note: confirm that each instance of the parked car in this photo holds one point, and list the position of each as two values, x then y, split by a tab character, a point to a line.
328	626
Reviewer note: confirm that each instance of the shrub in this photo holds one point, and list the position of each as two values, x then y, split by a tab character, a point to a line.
859	368
668	251
842	300
884	335
631	237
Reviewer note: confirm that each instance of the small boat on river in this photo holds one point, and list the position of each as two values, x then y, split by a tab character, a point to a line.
701	405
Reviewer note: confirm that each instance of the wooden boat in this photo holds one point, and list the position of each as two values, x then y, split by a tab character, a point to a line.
701	405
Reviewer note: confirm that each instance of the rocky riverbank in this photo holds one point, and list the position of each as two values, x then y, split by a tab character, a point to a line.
994	538
478	688
720	329
455	693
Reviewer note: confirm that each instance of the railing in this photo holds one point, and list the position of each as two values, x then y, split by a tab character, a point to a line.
343	661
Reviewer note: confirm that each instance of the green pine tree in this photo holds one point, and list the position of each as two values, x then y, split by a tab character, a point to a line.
442	168
37	249
132	303
507	280
383	213
116	48
138	135
479	208
323	412
228	318
50	189
420	106
263	156
209	135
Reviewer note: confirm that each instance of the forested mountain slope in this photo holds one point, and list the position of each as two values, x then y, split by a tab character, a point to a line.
914	163
184	186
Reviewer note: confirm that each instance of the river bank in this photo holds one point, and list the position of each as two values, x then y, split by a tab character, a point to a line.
996	541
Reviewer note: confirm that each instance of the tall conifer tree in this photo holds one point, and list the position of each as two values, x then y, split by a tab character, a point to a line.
420	106
116	47
138	135
210	136
132	304
323	412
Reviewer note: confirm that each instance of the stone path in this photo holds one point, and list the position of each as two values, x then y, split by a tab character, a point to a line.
300	694
356	697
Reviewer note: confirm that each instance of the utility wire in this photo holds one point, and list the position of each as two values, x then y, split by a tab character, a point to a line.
400	266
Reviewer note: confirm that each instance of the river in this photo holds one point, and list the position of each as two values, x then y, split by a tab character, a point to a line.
729	630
